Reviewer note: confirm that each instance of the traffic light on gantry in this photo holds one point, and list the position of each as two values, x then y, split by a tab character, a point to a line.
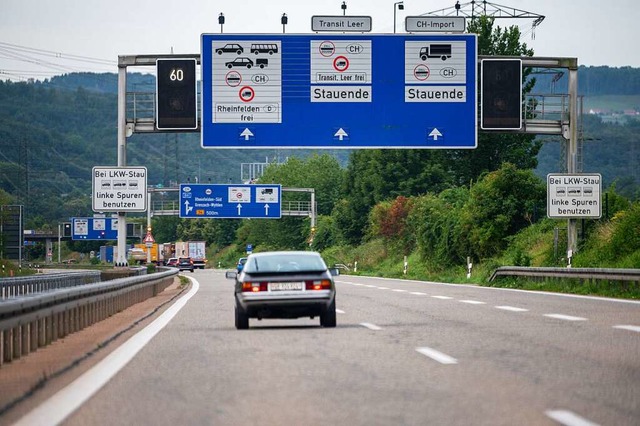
176	94
501	96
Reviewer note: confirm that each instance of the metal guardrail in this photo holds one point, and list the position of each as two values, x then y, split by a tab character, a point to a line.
35	320
607	274
22	286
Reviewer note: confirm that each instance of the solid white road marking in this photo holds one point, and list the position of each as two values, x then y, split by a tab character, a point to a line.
437	356
57	408
628	327
417	293
442	297
511	309
339	311
473	302
564	317
567	418
370	326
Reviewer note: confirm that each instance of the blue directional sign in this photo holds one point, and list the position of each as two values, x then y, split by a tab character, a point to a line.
230	201
94	228
339	91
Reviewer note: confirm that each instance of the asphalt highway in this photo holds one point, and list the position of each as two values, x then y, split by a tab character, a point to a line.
403	353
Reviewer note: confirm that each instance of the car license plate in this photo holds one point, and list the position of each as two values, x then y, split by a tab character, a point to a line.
292	286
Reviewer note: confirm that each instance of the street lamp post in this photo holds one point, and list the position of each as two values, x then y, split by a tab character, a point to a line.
284	21
396	6
344	8
221	21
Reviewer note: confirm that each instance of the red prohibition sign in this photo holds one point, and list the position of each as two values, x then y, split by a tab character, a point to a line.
327	48
341	63
239	195
246	94
233	78
421	72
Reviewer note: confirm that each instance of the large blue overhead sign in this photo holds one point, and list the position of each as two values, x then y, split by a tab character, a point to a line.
230	201
339	91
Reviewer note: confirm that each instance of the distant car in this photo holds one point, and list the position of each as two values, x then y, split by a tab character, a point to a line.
185	264
173	261
239	62
241	263
230	48
286	284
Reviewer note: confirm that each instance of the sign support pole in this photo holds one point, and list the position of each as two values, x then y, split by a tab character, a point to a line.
122	160
572	154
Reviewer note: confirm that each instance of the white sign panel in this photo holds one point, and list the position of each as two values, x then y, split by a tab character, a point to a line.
81	226
574	196
431	24
119	189
341	71
247	82
427	65
341	23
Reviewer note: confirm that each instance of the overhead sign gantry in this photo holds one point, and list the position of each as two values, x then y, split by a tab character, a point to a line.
339	91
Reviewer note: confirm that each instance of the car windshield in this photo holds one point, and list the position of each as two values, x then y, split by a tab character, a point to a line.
285	262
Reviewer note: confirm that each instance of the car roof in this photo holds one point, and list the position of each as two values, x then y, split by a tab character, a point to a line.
284	252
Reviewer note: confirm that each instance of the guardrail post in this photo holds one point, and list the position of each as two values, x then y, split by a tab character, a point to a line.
17	342
33	331
7	345
48	329
25	339
42	332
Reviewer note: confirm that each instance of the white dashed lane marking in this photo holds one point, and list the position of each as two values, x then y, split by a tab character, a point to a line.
628	327
442	297
511	309
437	355
564	317
417	293
473	302
568	418
370	326
339	311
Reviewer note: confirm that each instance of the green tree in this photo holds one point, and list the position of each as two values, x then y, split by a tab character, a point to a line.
501	204
320	172
494	149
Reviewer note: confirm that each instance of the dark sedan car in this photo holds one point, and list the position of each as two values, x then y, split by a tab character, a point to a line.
185	264
284	285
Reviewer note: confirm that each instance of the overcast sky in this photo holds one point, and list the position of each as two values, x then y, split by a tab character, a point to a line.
40	38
